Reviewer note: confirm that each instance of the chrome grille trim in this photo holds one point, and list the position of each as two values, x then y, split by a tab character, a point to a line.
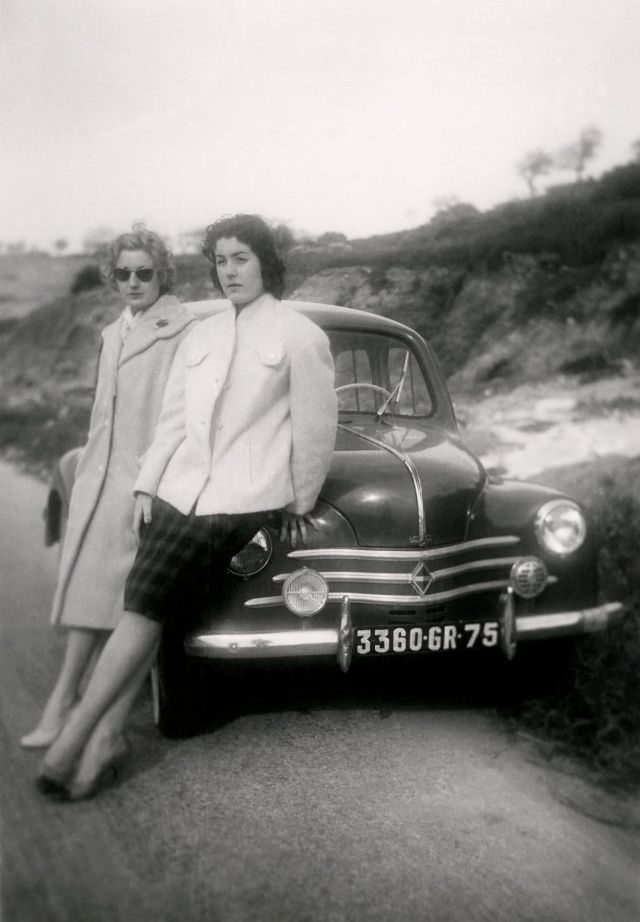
352	553
363	576
433	598
473	565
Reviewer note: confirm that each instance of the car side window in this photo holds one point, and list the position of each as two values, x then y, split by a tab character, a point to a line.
373	362
353	366
413	397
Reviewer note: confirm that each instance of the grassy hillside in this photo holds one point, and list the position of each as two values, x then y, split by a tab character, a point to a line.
528	289
26	281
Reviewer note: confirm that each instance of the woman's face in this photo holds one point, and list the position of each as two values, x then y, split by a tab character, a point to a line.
138	293
239	271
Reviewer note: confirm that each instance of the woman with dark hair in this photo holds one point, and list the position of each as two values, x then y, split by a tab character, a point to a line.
247	429
257	234
99	544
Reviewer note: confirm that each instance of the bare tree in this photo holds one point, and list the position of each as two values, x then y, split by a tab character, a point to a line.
61	245
534	164
575	156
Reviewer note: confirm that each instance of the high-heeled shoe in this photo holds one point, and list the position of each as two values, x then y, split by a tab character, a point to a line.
52	782
39	738
108	774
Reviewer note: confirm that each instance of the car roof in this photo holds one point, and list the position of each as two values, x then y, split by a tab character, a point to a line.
325	315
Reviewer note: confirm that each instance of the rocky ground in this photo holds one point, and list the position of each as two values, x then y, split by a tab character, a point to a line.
534	427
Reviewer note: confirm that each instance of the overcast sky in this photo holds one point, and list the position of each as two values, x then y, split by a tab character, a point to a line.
347	115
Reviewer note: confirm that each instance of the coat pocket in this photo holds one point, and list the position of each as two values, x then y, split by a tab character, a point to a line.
271	353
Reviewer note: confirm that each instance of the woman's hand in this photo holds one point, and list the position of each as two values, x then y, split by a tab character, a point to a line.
293	528
141	512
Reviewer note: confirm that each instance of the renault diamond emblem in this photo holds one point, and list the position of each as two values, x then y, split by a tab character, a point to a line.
421	578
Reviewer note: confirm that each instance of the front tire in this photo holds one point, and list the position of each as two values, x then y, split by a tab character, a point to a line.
545	668
175	685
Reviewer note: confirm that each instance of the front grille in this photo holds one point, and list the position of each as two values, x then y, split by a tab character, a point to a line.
416	578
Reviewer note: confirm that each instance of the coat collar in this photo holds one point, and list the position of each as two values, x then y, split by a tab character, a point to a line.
163	320
217	334
262	308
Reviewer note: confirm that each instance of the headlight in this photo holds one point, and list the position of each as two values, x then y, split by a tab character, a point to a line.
560	526
305	592
254	556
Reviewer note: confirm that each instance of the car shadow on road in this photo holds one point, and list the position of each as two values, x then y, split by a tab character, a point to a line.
383	687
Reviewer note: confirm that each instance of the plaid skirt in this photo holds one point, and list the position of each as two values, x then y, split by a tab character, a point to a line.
181	557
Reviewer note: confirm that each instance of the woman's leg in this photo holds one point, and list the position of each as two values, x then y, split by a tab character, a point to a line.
107	739
125	653
80	646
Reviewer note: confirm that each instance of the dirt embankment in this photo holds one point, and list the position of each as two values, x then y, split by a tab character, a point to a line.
564	421
529	319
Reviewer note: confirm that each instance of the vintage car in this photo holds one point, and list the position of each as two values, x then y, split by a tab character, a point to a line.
418	551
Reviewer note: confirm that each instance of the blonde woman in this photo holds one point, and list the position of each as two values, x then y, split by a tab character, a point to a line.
99	546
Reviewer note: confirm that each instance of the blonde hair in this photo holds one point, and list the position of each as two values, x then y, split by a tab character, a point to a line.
139	238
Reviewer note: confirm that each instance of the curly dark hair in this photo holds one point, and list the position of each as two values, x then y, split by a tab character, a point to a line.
252	230
139	238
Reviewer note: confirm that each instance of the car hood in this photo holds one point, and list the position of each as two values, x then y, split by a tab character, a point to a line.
371	486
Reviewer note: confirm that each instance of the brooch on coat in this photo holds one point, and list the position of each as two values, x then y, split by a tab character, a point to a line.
162	323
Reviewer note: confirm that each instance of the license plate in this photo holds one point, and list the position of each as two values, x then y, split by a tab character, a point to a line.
434	638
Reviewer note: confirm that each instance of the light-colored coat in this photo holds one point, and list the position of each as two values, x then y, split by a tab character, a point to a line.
249	418
99	544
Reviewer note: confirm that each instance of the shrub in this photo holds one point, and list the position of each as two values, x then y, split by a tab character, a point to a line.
598	719
86	279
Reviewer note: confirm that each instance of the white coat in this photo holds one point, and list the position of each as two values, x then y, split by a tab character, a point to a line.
99	544
249	418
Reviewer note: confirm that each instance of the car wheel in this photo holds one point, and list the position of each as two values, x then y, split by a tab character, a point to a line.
174	691
545	668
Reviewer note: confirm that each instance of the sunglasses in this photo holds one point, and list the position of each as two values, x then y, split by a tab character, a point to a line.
143	275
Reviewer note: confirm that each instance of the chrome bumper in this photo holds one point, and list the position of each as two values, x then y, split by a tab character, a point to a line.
264	645
568	623
333	641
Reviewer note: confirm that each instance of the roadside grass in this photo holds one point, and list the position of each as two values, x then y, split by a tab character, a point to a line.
597	720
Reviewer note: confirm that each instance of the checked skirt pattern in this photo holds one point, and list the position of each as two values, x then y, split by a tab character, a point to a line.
181	557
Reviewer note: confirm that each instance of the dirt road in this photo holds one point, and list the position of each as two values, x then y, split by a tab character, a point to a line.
361	803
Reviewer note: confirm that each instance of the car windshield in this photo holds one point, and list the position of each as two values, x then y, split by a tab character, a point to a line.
378	374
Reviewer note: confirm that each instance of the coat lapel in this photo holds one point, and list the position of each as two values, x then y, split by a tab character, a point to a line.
268	332
110	353
163	320
208	357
